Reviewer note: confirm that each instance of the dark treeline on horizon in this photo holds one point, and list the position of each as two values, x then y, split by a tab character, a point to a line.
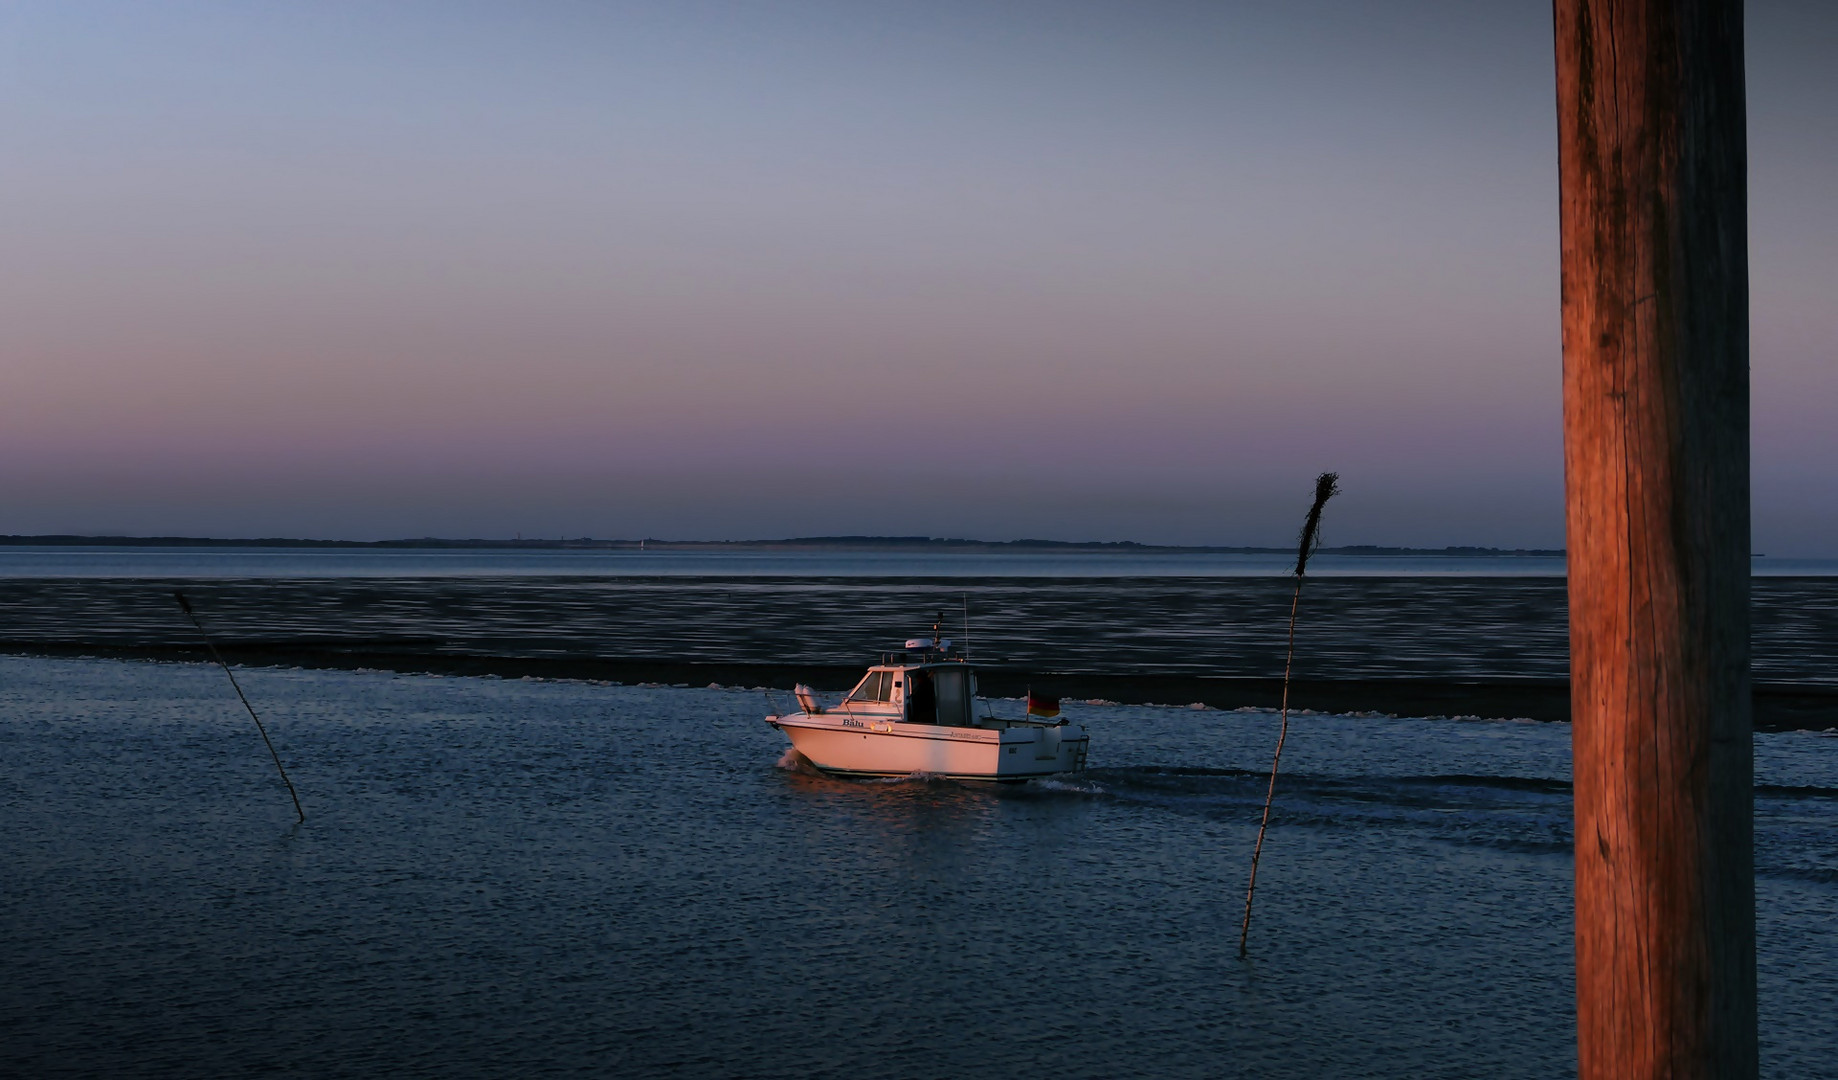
926	543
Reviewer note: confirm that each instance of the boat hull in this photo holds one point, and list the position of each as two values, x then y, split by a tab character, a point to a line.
850	746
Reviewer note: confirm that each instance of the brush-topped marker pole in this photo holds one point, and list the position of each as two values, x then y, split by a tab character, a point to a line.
185	606
1327	485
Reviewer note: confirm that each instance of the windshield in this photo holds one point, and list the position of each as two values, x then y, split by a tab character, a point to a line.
878	686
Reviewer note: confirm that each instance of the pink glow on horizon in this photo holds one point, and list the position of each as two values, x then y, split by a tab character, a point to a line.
1127	275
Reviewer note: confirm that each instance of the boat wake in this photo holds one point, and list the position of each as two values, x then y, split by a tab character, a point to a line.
1514	813
909	778
1523	814
1076	784
792	761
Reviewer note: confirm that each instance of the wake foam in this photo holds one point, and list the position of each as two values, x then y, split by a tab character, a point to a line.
1058	785
792	761
909	778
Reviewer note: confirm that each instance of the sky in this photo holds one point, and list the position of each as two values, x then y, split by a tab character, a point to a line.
1083	271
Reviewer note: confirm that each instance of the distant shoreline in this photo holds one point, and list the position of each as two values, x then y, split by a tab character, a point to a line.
804	543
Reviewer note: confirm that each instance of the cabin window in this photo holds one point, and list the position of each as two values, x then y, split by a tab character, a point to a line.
876	687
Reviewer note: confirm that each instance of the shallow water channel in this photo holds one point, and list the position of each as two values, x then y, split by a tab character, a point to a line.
523	878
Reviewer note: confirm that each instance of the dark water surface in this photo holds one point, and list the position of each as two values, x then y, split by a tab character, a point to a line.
521	878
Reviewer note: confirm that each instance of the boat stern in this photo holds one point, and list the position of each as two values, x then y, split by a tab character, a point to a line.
1041	750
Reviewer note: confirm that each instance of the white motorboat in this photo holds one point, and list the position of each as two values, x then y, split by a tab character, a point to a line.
916	712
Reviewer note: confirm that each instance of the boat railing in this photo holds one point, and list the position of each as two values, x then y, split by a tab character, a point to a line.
1007	721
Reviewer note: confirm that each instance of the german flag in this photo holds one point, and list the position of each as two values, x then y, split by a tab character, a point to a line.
1042	705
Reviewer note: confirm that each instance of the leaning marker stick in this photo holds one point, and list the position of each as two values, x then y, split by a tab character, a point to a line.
1327	485
185	605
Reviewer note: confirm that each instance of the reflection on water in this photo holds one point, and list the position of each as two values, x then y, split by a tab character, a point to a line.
915	828
523	878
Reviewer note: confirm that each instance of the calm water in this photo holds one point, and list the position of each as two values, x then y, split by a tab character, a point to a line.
509	878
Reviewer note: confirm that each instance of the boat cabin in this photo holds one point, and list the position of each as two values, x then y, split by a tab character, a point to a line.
934	692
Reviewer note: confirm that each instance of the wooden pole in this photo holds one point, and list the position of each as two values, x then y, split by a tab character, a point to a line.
1656	459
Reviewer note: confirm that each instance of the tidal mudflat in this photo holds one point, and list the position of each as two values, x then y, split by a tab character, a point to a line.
1486	644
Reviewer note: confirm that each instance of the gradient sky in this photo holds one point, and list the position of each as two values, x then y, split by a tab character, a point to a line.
1080	271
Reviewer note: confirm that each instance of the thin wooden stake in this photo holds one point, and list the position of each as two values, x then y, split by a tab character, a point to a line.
185	605
1327	485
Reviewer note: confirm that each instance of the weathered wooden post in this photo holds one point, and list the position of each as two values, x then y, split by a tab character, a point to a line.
1656	461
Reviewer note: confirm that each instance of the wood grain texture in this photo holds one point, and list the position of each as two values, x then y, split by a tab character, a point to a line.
1656	455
